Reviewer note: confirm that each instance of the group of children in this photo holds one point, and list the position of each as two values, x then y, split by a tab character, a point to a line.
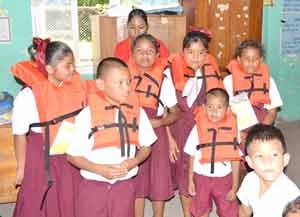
150	123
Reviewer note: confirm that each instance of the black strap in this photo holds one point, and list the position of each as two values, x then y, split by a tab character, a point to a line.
122	125
148	91
252	88
204	78
214	143
47	124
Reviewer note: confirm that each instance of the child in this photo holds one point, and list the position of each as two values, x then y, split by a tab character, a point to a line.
155	92
54	96
266	190
214	157
292	209
137	23
194	72
249	74
113	135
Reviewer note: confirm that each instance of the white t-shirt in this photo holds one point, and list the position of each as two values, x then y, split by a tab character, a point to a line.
24	113
221	169
274	95
167	93
82	146
273	201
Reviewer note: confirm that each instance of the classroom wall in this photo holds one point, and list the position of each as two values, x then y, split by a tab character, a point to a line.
16	49
284	70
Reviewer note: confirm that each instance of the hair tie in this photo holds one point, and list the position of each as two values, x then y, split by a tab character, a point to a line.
203	30
40	47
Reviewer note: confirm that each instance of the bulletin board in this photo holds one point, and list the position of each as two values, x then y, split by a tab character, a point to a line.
290	28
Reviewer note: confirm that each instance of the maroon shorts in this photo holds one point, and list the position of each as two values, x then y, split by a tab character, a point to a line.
210	189
101	199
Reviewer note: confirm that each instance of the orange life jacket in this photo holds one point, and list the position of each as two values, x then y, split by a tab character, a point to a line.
218	141
28	72
147	84
257	85
54	103
106	130
181	72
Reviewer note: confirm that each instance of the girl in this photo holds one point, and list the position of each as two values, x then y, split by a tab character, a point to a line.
48	182
194	72
137	24
249	74
155	93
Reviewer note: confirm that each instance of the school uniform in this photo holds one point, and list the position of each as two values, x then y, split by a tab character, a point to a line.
262	100
50	182
190	92
213	146
155	92
98	139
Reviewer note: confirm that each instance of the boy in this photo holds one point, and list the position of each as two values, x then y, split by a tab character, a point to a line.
107	134
214	157
292	209
266	190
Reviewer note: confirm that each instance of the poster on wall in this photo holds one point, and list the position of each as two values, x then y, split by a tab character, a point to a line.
5	35
290	28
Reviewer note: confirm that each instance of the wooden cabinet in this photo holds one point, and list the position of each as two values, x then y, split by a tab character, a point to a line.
230	21
107	31
8	164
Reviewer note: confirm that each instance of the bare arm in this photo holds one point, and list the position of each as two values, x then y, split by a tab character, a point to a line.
245	211
172	115
231	195
191	184
271	116
20	152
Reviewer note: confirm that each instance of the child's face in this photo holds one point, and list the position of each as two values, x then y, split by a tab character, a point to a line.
62	71
144	54
267	159
136	26
215	108
250	60
115	85
195	54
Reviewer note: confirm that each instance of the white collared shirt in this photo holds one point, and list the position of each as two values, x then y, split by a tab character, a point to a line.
273	201
274	95
82	145
167	93
221	169
24	113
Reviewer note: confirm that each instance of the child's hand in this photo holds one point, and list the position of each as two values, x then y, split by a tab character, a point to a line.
173	149
191	188
114	171
129	164
231	196
19	176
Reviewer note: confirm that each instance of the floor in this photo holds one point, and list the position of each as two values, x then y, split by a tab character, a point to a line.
291	132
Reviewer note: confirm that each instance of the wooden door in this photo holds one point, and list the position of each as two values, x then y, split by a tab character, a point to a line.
230	22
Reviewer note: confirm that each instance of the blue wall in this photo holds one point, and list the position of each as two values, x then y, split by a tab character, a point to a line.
16	50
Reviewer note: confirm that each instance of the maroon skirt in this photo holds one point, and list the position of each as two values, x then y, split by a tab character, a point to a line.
154	180
61	197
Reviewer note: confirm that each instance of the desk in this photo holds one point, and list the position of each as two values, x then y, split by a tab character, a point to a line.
8	165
